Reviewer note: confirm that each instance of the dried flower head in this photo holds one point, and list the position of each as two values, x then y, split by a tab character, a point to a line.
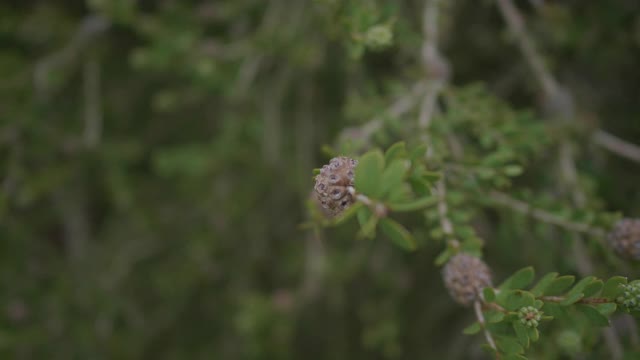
465	276
625	238
332	184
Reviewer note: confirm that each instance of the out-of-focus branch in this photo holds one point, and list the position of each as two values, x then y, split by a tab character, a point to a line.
435	66
542	215
90	27
534	59
617	145
92	104
401	106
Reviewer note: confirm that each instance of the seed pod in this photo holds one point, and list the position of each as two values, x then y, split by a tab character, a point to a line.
332	184
625	238
465	276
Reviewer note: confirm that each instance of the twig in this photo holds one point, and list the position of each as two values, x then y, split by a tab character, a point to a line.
92	104
533	58
401	106
477	306
617	145
90	27
542	215
443	211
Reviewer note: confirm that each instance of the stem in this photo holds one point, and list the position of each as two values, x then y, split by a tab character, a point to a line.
477	306
443	210
588	301
617	145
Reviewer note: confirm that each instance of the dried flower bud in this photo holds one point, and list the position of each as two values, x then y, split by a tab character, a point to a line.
332	184
465	276
625	238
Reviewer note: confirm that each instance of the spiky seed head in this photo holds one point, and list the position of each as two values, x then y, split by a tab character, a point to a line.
465	276
332	184
625	238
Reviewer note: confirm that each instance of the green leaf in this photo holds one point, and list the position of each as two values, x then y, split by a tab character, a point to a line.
521	333
363	215
554	310
594	316
493	316
472	329
560	285
398	234
413	205
509	345
418	153
579	288
489	294
534	335
395	151
606	309
369	173
519	280
393	176
572	298
443	257
593	288
515	299
612	288
543	284
368	230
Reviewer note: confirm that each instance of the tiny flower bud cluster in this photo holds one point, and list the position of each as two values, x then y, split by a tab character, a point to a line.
529	316
630	298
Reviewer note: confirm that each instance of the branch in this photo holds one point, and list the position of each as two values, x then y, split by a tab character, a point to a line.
516	24
542	215
90	27
617	145
401	106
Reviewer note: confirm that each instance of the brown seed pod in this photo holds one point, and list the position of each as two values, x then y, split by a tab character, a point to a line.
332	183
625	238
465	276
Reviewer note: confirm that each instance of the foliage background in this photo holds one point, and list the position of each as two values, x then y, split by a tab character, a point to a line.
156	159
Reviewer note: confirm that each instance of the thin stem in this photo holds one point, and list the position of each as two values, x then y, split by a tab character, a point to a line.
534	59
443	211
589	301
477	306
617	145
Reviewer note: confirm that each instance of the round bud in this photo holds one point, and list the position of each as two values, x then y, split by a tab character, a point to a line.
465	276
630	297
625	238
529	316
333	182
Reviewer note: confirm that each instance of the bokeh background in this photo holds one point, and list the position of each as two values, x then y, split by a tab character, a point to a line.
156	158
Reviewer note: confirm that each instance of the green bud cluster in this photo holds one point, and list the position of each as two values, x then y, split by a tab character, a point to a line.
529	316
378	37
630	297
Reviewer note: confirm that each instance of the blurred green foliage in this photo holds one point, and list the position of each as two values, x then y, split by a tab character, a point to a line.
156	157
